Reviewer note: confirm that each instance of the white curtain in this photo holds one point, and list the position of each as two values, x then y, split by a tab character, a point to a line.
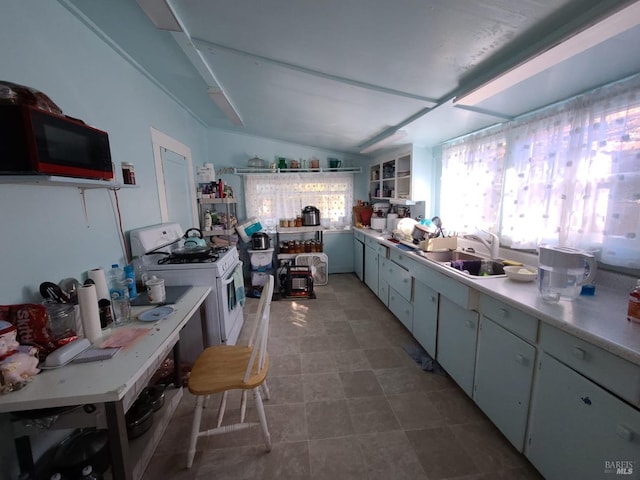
573	176
567	175
271	197
471	183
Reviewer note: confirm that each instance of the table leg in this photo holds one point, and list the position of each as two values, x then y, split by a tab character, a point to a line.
118	441
25	456
177	370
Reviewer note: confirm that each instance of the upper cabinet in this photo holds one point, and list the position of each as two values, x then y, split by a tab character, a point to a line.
404	177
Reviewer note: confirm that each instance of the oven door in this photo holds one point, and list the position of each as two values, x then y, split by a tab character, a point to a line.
232	298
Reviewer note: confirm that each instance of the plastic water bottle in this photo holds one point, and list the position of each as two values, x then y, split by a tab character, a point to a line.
119	293
130	277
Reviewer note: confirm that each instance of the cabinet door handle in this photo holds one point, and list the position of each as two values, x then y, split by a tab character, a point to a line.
579	353
624	433
504	312
470	323
521	359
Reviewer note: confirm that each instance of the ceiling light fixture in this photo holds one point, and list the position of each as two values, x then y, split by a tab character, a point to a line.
608	28
223	103
384	140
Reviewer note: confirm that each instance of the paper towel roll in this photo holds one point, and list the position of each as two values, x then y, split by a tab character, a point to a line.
392	221
100	279
88	301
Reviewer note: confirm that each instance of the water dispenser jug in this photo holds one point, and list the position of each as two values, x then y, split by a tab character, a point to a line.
562	271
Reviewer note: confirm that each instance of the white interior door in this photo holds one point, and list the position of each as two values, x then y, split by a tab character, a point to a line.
176	185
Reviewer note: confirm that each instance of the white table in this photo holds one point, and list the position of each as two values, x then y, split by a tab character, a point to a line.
112	386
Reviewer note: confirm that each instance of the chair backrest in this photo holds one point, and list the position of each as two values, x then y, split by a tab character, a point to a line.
260	333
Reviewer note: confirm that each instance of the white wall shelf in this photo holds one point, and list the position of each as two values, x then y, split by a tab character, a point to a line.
84	183
249	170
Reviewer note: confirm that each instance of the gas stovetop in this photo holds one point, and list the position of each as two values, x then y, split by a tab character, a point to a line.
220	260
207	257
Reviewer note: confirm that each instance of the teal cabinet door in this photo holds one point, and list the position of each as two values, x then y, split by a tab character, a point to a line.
579	430
401	308
371	268
358	258
457	336
425	316
504	373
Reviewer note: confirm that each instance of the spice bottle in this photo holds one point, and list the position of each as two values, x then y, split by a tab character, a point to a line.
633	312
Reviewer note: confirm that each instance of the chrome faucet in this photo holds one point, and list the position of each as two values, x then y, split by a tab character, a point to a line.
492	245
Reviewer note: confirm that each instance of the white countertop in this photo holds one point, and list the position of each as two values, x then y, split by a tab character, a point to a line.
113	379
600	319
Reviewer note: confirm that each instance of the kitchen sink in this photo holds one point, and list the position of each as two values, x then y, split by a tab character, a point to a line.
467	264
450	256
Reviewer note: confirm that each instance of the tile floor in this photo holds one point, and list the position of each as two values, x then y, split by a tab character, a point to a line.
347	402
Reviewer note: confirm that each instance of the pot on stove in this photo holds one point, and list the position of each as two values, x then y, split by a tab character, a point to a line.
260	241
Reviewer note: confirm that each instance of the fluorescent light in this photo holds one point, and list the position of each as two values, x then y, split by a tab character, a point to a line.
160	14
397	135
608	28
223	103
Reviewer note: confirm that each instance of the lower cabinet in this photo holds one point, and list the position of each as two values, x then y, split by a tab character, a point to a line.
579	430
401	308
425	316
503	378
457	336
371	268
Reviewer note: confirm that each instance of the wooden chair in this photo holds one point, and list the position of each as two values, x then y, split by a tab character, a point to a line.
231	367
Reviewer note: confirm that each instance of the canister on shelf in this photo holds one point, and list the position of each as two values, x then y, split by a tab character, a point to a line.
128	173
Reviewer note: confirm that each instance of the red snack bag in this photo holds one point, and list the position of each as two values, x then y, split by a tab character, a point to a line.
33	327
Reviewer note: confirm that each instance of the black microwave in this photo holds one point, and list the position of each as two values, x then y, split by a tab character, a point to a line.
33	141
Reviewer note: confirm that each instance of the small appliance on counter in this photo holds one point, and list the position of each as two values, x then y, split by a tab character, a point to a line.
562	271
260	241
310	216
378	223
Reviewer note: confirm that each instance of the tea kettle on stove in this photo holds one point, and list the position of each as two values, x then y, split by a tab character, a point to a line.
197	241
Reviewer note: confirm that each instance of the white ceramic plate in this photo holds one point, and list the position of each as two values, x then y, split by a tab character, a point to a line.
155	314
521	274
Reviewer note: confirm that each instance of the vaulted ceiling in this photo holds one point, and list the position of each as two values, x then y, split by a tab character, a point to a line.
341	74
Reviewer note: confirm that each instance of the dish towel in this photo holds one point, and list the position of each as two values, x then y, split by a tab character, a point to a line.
238	282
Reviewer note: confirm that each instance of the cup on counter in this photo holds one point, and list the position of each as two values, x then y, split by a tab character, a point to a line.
156	290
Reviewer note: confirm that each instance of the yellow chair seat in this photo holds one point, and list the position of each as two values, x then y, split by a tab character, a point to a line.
223	368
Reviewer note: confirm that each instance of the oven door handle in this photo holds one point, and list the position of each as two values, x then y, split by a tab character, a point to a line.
229	279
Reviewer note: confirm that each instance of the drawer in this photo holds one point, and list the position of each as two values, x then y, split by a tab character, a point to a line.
610	371
379	248
358	235
523	325
401	258
397	276
370	241
401	308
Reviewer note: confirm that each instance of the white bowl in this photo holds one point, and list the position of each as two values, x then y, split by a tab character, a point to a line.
521	274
